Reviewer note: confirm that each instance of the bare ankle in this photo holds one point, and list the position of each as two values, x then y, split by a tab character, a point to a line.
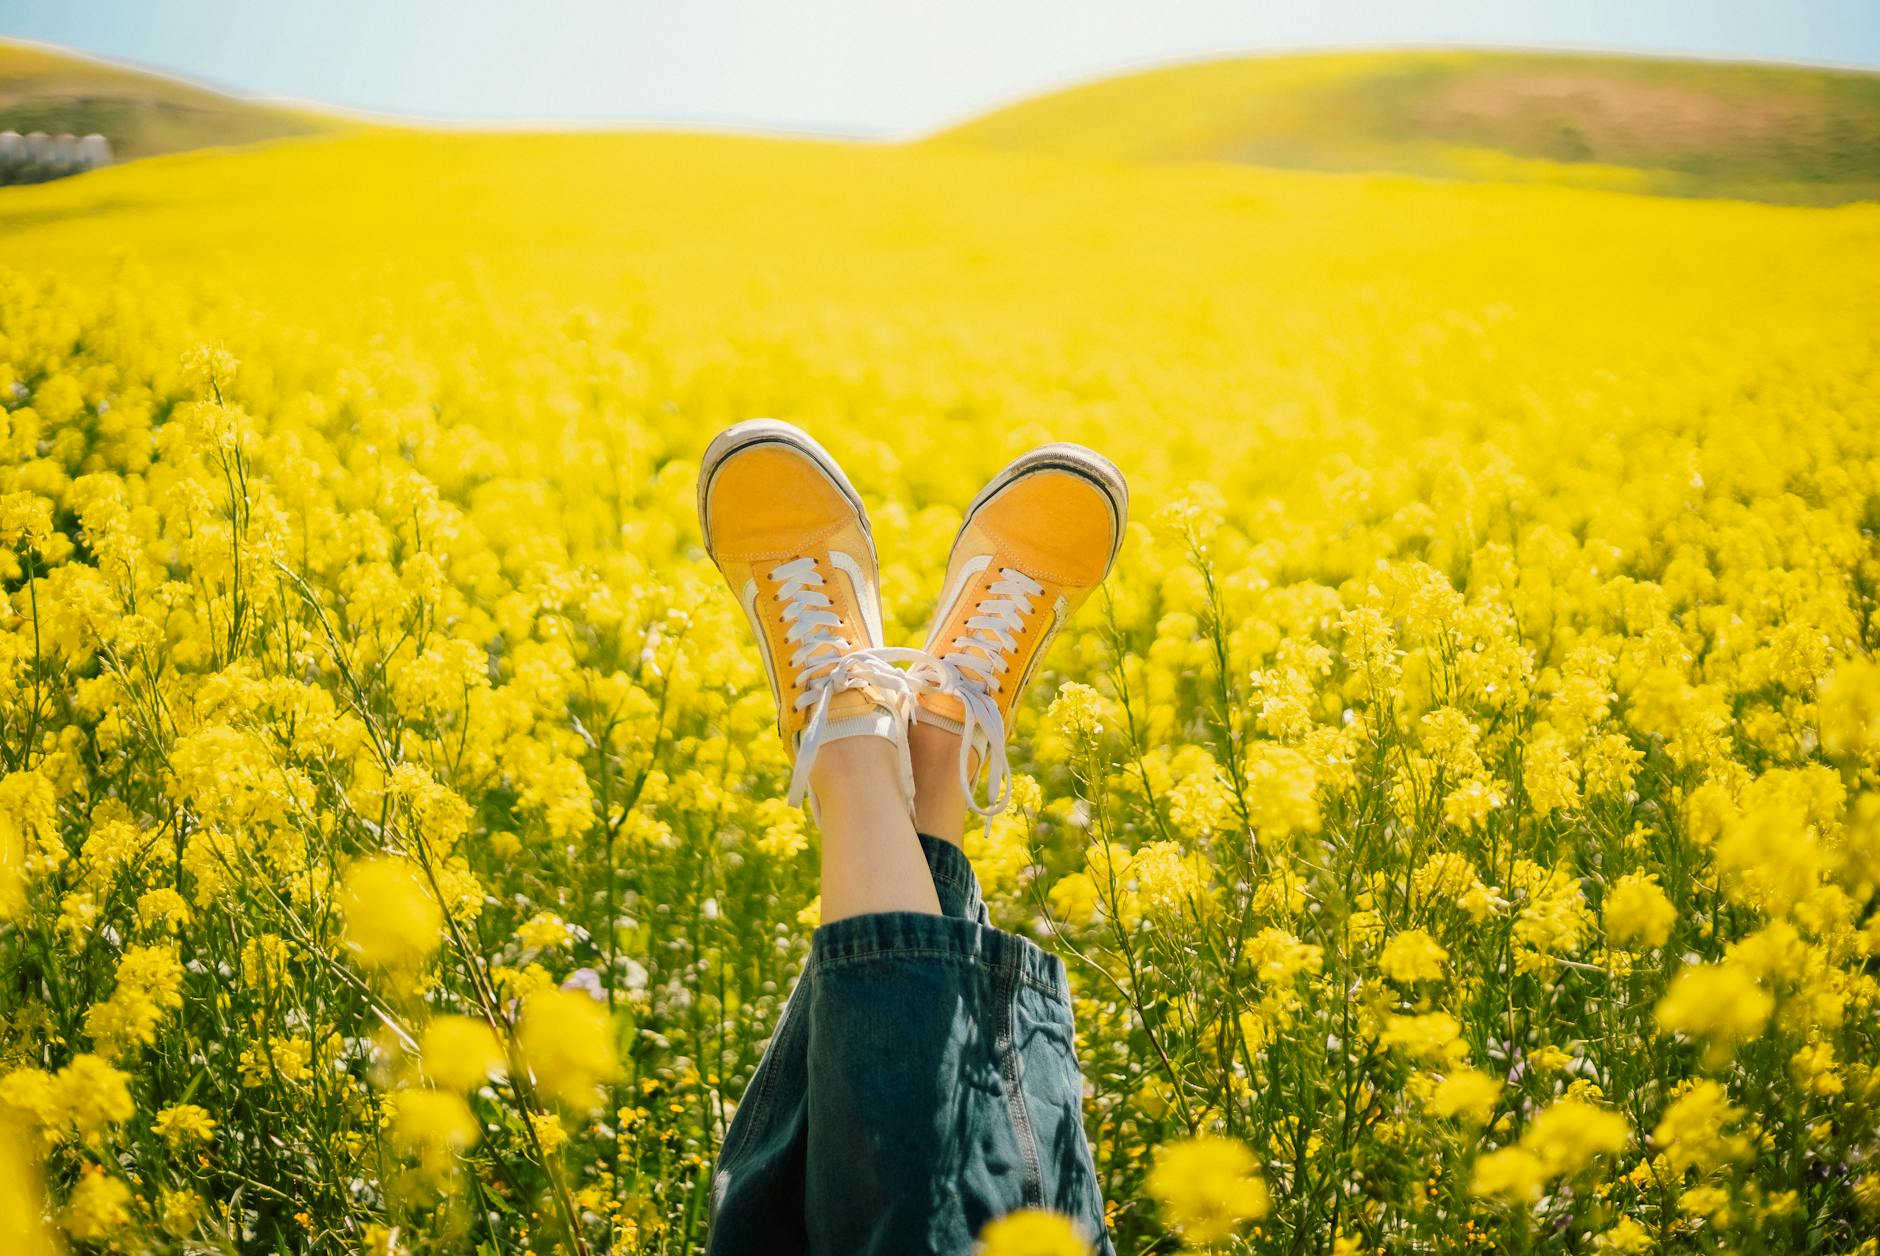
939	806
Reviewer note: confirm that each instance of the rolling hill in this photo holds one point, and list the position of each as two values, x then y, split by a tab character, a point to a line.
1664	126
142	114
1780	133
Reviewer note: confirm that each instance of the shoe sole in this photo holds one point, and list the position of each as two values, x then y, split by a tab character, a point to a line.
754	432
1078	460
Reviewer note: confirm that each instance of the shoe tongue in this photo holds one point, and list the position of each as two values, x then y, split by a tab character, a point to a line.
944	704
851	702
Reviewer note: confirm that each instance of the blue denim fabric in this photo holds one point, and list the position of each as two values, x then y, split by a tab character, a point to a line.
922	1081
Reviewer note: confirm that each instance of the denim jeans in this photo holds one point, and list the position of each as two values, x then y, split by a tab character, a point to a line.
922	1082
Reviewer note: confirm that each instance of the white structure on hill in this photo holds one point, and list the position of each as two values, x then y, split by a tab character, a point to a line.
38	157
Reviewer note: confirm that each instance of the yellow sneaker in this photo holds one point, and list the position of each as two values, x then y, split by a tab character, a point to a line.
1035	543
788	531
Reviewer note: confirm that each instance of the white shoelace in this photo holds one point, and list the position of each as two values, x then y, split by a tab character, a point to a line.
812	624
814	629
972	670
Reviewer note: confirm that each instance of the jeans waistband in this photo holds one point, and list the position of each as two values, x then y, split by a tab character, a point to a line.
911	935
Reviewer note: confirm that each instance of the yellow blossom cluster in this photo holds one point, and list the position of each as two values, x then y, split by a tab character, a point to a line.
1459	815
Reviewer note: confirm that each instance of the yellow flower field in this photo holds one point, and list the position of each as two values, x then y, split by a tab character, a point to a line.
1461	819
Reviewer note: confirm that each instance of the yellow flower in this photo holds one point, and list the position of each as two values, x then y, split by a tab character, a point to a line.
1611	765
12	870
1451	878
1814	1070
1510	1173
460	1053
94	1095
30	1098
1074	898
1032	1232
1692	1132
1468	1094
1561	1141
1549	1059
1637	913
1719	1004
284	1060
1412	956
521	983
162	909
180	1211
545	931
1470	802
1282	792
1850	712
1626	1238
1549	774
98	1208
1712	1202
1553	919
1433	1037
432	1127
1770	858
1867	1193
567	1041
783	835
549	1131
391	919
30	845
1278	957
1207	1187
1170	880
181	1123
22	1232
149	983
26	518
1077	711
1201	804
1569	1134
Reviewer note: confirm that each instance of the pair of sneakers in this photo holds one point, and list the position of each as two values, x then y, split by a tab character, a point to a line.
788	531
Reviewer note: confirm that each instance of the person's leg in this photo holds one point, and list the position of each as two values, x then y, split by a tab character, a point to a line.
943	1086
871	858
939	804
762	1184
788	530
923	1079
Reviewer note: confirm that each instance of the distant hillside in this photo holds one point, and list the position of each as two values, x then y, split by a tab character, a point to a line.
141	114
1677	127
1787	134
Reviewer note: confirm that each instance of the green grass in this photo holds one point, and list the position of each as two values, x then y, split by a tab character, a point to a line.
142	114
1787	134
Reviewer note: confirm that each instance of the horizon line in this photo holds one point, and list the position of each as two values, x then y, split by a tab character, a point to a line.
471	122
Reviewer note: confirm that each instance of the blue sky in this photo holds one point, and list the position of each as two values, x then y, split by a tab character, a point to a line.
891	67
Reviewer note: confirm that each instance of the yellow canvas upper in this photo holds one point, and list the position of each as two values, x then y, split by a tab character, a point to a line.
1055	517
769	497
